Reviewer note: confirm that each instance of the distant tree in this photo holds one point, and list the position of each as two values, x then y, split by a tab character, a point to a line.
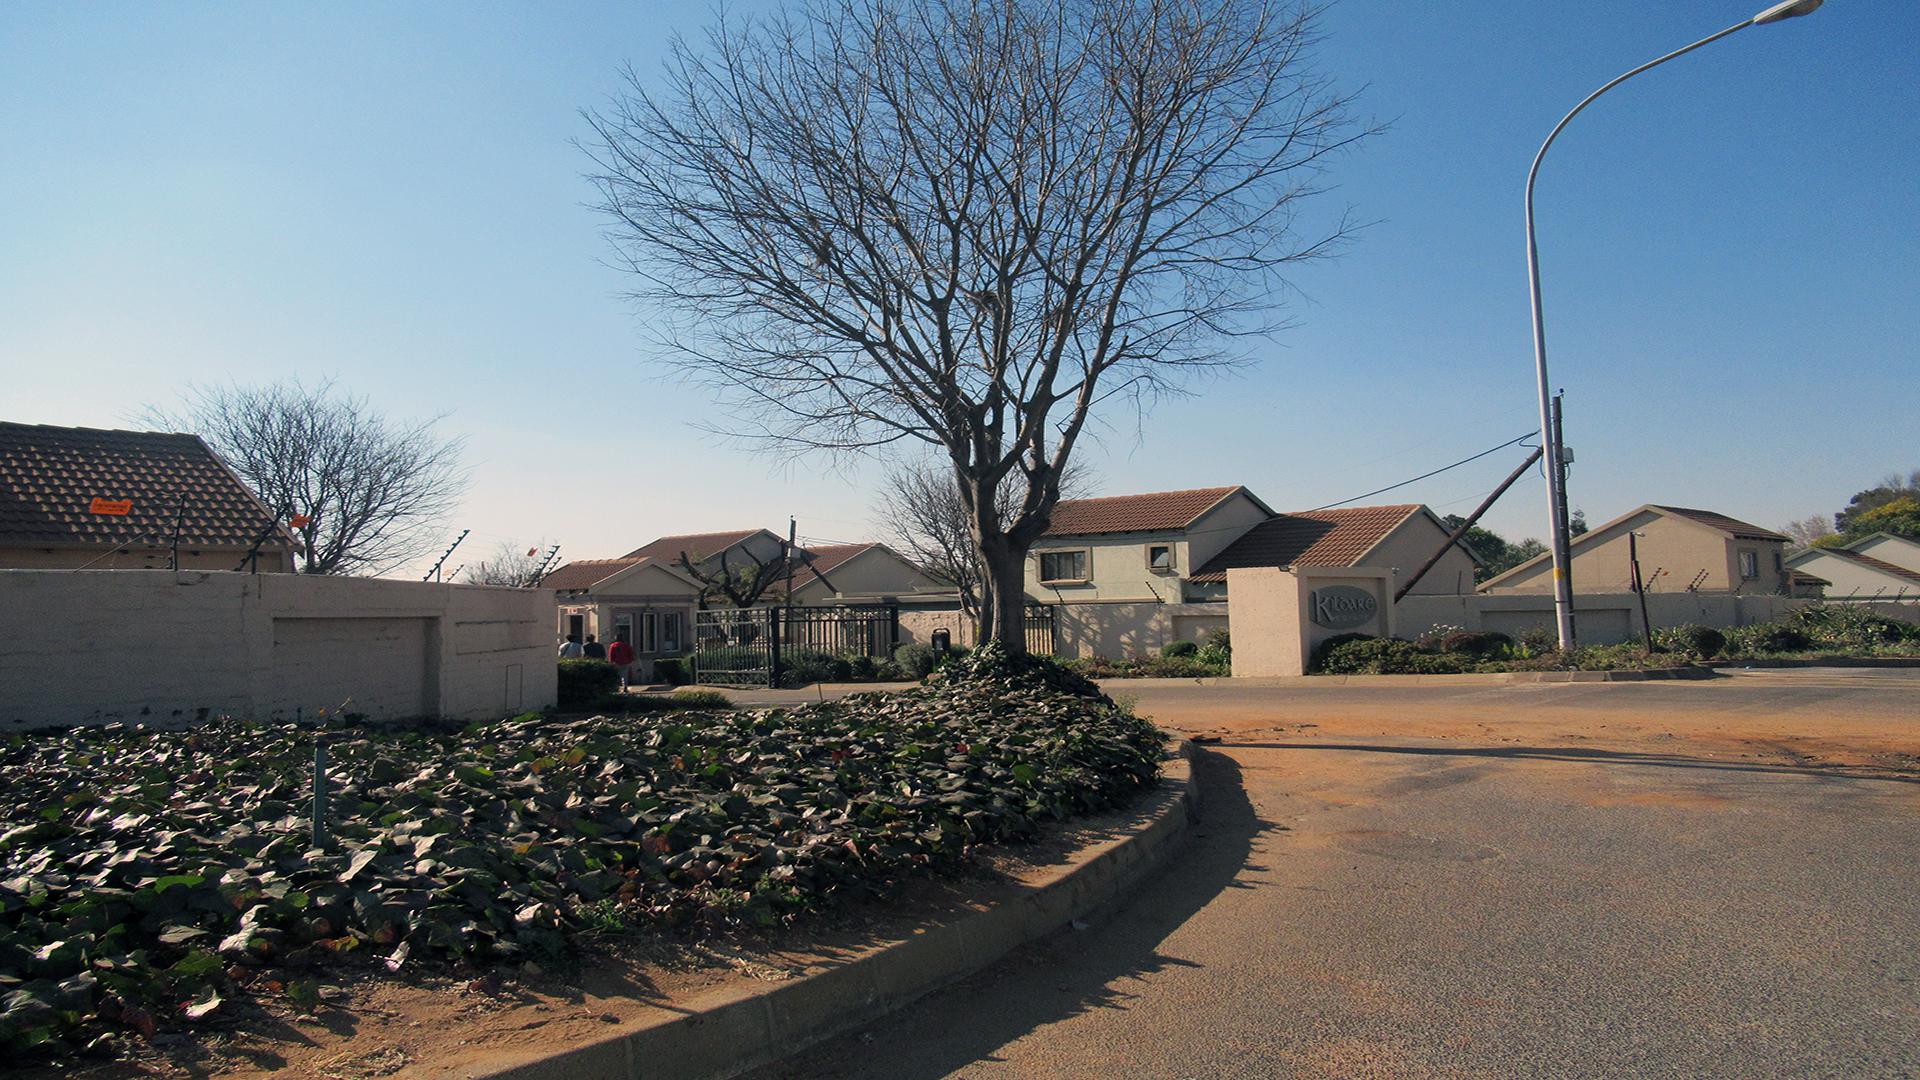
373	492
741	585
921	513
1577	525
1809	530
1892	488
1900	516
1497	554
511	564
971	225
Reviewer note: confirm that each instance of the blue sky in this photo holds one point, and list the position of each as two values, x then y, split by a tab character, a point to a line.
387	194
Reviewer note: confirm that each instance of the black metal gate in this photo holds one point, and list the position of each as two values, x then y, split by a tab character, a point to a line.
1043	632
735	646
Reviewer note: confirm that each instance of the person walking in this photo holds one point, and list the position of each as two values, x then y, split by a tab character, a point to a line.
571	649
620	655
593	650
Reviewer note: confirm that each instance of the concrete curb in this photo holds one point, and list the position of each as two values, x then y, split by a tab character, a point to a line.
1474	678
1829	661
741	1028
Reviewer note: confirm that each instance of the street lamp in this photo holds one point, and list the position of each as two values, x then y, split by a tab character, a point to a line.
1549	431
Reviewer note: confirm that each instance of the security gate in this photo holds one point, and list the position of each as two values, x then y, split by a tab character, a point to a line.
735	647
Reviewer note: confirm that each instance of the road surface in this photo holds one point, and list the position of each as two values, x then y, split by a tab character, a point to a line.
1657	879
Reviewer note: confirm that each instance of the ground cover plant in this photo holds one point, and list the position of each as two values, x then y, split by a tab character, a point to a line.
1178	660
156	878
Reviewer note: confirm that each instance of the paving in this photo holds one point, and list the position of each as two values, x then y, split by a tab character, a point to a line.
1687	879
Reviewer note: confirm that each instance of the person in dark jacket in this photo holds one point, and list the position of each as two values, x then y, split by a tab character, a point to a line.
593	650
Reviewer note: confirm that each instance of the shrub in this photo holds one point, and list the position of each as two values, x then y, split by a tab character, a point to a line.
583	682
672	670
1325	648
1843	626
1767	638
678	701
1479	644
1179	648
862	667
803	667
1692	639
915	661
1218	651
1536	640
1360	655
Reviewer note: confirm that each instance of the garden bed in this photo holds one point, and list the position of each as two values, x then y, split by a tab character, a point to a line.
161	880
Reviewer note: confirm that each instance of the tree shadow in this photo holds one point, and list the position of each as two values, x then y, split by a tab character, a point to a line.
1064	974
1602	757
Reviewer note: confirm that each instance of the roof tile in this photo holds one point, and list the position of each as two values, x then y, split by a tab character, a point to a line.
1740	529
1159	511
1309	538
49	477
698	546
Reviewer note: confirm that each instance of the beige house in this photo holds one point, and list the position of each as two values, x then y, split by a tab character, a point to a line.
1681	549
1177	546
1129	574
648	597
129	500
1878	567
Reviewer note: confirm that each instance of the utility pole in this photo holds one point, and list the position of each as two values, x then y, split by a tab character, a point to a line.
1472	520
434	574
1558	459
1640	587
179	515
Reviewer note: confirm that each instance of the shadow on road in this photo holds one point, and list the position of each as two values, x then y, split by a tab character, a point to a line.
1600	757
1066	974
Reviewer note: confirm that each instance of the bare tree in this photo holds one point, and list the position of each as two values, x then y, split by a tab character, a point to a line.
511	564
1805	531
364	494
970	223
920	512
743	586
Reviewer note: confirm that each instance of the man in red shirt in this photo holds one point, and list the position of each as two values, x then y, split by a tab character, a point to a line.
620	655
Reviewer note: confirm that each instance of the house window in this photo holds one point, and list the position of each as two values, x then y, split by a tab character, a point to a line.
1779	563
649	633
670	632
1749	565
1063	566
1160	558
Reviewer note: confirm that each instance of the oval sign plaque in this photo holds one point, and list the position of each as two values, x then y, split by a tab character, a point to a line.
1341	607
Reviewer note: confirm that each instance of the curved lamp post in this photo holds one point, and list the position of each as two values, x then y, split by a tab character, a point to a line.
1549	435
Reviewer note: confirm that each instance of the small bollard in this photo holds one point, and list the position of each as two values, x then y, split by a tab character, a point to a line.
319	790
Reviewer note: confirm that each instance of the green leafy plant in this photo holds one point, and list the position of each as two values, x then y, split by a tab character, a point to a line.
583	682
914	660
1478	644
1691	639
672	670
1176	649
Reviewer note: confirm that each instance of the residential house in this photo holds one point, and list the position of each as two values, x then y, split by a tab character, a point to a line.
1878	567
649	596
1130	573
75	497
1680	549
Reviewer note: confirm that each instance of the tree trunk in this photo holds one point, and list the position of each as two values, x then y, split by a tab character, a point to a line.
1003	595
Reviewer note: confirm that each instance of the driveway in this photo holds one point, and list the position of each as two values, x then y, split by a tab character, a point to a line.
1640	879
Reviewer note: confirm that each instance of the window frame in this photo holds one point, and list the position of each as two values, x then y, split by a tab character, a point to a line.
1086	566
1749	557
1173	559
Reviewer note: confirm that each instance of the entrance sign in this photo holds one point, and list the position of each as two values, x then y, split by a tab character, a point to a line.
111	507
1341	607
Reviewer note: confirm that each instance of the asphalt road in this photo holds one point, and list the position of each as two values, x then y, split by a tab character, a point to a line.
1688	880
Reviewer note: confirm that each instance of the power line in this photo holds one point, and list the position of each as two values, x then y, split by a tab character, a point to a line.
1425	475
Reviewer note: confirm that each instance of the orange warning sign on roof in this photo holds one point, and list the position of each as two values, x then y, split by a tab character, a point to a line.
111	507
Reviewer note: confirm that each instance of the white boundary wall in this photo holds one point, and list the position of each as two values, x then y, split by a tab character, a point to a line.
166	648
1603	618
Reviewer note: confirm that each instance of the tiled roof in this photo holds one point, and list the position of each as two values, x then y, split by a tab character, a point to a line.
1309	538
49	477
1156	512
585	573
1740	529
828	556
1881	565
697	545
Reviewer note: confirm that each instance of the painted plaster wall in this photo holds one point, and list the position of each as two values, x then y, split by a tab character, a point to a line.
1123	630
1413	543
1852	580
1602	618
164	648
1118	562
870	574
1274	626
1678	549
1897	550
